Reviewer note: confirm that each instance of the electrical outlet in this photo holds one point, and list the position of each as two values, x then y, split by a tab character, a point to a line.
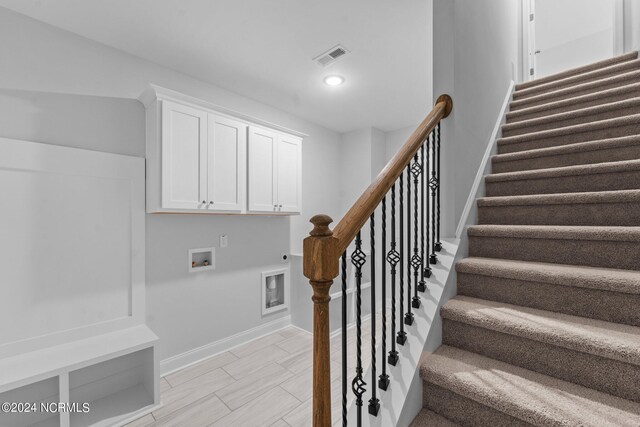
224	241
284	258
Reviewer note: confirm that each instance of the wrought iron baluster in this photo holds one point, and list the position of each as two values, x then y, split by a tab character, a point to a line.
393	257
358	259
383	381
344	339
438	243
402	335
433	183
427	210
416	260
408	316
422	285
374	403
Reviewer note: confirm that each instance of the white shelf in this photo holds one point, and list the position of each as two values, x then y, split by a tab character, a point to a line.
113	408
46	391
38	365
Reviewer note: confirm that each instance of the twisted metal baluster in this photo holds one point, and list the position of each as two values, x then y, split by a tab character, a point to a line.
358	259
392	258
374	403
438	243
402	335
416	260
344	339
408	316
422	285
383	381
433	183
425	214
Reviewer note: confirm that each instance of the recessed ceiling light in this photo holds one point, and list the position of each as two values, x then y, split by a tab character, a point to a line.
333	80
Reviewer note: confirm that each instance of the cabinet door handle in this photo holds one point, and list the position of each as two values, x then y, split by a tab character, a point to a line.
204	202
210	203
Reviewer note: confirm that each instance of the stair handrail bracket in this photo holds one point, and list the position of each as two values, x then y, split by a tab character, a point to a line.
324	247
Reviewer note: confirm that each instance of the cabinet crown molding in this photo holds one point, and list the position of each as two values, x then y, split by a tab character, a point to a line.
155	92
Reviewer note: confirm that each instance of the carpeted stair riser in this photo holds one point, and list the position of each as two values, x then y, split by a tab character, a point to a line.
584	116
611	150
575	91
610	181
605	214
464	411
579	70
567	299
591	76
613	128
596	253
609	376
594	99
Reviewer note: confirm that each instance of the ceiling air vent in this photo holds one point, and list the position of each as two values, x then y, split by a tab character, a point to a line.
331	56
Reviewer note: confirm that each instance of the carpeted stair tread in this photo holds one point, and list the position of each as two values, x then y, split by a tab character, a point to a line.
597	74
606	279
594	246
592	99
603	208
604	339
585	128
557	232
532	397
574	117
426	418
606	197
579	70
577	90
580	148
577	170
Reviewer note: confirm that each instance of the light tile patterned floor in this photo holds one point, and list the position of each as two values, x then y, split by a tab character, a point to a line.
265	382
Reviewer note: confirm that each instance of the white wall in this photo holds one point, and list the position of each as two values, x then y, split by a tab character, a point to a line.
42	69
572	33
355	167
631	25
96	123
475	58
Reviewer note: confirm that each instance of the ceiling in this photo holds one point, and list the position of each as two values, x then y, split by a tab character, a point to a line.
263	49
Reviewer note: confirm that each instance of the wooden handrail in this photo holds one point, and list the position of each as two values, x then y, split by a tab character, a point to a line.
362	209
323	248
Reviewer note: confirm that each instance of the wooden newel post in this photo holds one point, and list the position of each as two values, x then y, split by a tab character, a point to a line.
321	266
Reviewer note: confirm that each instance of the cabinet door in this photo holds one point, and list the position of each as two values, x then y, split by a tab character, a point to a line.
184	160
289	173
227	154
262	170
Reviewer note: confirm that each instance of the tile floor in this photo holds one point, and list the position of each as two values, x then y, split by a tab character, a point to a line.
265	382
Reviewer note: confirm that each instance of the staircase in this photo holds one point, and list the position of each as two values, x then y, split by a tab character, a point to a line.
545	329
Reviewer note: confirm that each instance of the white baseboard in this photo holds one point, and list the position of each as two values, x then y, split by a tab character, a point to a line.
191	357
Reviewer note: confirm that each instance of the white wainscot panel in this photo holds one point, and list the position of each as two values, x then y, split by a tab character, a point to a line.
66	252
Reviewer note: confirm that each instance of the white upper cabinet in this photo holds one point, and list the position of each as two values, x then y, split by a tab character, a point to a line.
227	160
204	159
289	166
184	161
275	172
263	184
